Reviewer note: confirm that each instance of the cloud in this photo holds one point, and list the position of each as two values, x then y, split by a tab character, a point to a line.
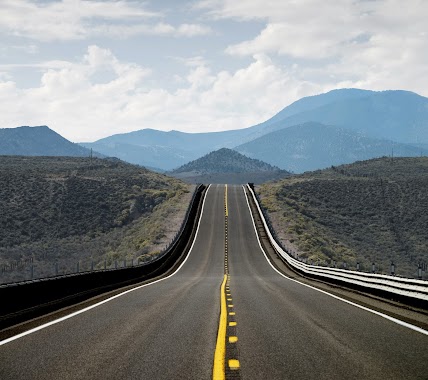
78	101
80	19
374	44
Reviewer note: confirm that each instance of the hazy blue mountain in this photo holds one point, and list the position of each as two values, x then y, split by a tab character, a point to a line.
311	146
227	166
38	141
151	156
312	102
399	116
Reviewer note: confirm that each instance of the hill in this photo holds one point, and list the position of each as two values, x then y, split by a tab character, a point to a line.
227	166
368	211
165	150
38	141
64	209
312	146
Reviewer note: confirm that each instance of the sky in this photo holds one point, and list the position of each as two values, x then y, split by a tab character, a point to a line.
90	68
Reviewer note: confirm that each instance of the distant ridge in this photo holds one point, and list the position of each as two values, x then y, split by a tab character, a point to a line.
38	141
227	166
310	146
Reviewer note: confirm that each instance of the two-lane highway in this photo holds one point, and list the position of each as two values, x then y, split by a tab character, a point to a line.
276	328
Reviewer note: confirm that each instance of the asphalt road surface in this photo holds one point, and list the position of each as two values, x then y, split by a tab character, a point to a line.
168	330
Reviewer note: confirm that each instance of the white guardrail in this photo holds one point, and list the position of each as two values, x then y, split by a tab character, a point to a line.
413	288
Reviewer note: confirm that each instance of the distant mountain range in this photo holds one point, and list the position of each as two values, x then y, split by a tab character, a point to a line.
315	132
363	124
227	166
311	146
38	141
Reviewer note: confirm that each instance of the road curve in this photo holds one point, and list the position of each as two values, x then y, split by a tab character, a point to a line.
166	330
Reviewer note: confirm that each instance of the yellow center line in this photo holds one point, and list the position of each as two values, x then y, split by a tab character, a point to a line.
220	349
225	202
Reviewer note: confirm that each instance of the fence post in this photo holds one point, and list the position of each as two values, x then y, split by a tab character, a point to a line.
392	268
358	266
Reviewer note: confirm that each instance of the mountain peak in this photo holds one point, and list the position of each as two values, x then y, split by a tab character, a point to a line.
37	141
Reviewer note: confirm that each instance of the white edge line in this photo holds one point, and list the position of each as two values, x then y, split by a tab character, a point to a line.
392	319
41	327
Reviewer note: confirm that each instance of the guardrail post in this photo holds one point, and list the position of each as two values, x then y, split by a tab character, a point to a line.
358	266
392	268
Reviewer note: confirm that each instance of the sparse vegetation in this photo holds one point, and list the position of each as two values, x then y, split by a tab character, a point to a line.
63	210
369	211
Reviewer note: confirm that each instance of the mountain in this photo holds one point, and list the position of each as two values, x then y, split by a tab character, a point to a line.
399	116
38	141
227	166
367	212
312	146
149	156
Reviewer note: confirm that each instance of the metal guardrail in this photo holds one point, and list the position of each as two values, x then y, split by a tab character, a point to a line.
417	289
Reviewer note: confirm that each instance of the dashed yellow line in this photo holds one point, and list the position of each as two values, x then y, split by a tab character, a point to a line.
233	364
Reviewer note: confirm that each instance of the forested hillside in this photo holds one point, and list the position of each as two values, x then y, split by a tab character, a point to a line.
62	209
369	211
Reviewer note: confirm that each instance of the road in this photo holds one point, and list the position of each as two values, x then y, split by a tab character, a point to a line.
168	330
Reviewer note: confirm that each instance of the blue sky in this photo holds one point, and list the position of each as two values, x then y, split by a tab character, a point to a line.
89	68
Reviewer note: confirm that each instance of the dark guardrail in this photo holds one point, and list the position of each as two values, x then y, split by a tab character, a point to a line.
26	300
